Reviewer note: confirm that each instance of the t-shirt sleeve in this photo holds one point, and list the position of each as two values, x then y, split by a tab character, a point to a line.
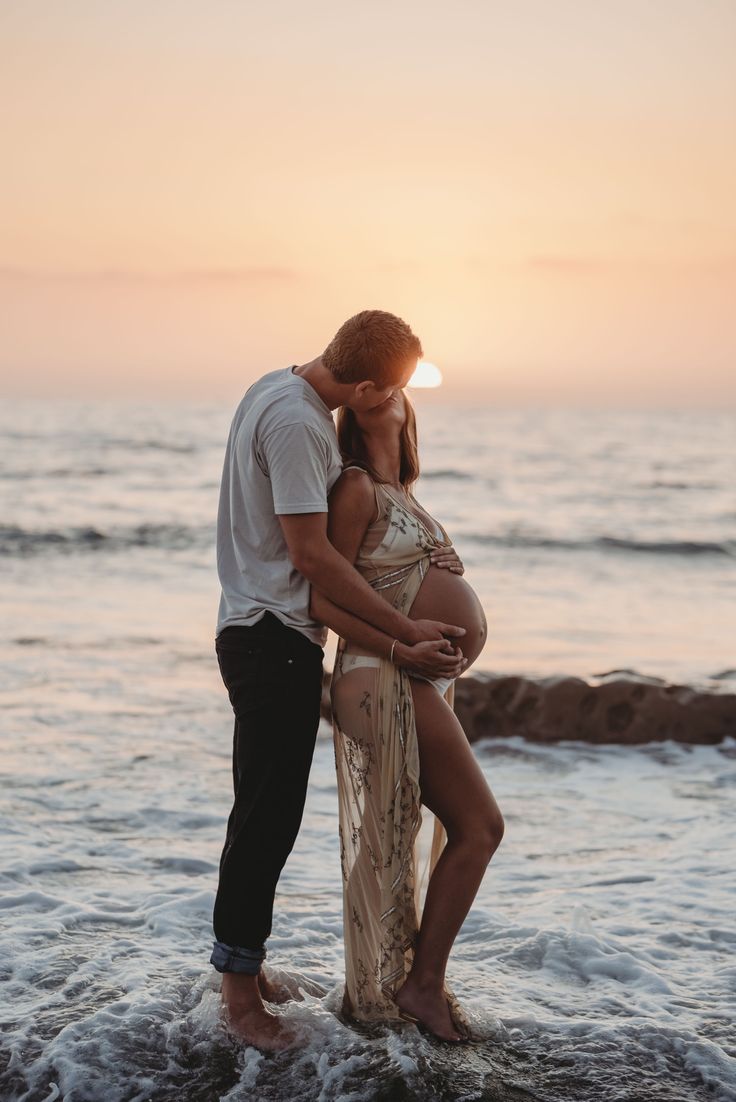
296	463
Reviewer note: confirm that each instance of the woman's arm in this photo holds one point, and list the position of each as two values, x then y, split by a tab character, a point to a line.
351	509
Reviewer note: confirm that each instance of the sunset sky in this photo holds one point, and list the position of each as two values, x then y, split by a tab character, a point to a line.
196	193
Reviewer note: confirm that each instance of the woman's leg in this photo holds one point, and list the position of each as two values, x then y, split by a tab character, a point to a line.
454	789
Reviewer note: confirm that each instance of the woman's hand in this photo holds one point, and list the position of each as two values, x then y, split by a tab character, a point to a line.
448	558
430	658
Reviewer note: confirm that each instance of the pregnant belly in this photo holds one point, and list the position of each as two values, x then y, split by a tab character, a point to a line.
448	597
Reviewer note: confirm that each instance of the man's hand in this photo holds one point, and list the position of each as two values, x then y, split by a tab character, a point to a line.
448	558
430	659
421	631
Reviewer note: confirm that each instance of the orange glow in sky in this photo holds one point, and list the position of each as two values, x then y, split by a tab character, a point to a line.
196	194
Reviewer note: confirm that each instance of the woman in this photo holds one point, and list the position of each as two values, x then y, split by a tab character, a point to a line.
398	743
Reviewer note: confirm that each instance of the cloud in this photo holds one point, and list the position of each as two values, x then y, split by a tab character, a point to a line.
135	276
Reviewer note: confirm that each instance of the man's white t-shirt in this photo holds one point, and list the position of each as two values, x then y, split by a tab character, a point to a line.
282	456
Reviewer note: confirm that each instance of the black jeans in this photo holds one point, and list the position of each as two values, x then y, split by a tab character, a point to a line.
273	675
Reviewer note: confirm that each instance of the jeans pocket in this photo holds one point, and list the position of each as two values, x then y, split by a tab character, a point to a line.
242	669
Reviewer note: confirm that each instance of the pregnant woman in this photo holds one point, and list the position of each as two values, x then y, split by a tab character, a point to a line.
398	744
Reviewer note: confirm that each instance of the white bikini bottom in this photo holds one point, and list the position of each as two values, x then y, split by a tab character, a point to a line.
353	661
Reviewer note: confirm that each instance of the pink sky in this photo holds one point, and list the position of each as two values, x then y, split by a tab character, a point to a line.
195	194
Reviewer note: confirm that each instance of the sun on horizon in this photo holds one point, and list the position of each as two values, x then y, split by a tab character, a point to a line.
426	375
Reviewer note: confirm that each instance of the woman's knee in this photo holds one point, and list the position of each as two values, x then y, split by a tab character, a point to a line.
497	827
481	837
491	834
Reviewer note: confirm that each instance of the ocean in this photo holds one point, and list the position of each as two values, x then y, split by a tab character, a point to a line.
598	960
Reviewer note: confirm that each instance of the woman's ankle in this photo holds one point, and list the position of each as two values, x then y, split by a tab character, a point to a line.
426	983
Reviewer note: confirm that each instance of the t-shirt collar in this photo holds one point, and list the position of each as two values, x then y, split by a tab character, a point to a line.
311	391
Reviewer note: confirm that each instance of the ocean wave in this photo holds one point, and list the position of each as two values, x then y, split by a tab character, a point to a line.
57	472
151	445
23	541
655	547
667	484
125	443
15	540
447	472
671	547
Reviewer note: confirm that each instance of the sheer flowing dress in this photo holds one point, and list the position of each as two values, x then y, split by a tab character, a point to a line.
377	763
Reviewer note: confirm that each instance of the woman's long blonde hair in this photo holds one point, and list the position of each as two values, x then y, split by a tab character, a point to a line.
353	449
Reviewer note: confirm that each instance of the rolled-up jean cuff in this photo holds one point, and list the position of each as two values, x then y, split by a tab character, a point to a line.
234	958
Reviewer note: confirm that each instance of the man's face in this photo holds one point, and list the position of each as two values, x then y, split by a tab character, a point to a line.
370	397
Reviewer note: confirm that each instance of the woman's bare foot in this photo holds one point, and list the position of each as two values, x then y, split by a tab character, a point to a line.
429	1007
246	1017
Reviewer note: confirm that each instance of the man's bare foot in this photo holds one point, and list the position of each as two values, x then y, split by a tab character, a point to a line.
277	986
429	1007
247	1019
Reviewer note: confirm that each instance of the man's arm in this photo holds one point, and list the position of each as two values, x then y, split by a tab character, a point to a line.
427	658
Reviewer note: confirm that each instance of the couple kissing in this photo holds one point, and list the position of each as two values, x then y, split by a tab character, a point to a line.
318	528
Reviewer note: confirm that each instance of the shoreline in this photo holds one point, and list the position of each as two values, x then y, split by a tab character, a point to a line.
619	707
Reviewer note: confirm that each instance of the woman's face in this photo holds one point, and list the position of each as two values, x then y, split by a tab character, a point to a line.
390	414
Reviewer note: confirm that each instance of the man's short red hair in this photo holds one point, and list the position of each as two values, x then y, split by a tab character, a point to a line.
372	345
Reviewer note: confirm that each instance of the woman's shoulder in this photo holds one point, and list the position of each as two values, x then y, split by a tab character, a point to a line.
356	489
356	475
354	480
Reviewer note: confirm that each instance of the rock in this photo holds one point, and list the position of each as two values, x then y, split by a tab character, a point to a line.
628	709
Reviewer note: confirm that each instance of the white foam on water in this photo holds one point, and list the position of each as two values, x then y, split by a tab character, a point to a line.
597	960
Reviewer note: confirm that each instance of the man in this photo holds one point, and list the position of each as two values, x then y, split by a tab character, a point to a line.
281	461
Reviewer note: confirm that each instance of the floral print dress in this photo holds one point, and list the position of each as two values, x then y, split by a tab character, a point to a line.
377	762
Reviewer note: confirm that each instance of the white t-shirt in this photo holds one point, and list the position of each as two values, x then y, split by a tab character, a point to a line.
282	456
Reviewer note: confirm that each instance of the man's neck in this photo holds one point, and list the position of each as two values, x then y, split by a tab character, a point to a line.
316	374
